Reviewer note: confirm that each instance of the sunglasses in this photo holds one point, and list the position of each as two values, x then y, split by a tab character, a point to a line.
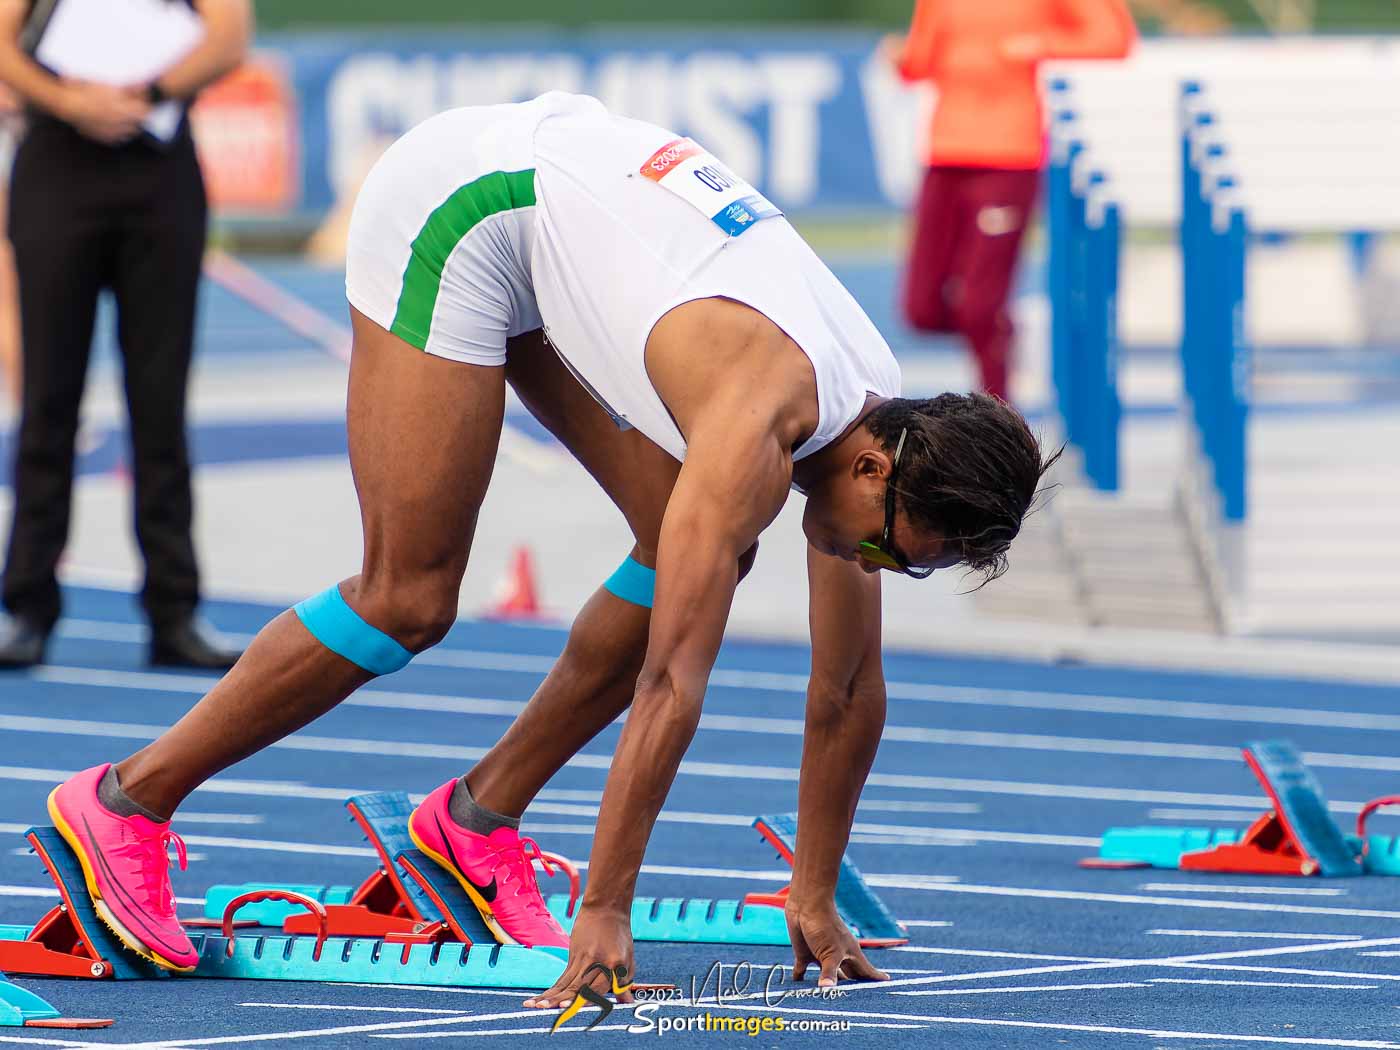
884	553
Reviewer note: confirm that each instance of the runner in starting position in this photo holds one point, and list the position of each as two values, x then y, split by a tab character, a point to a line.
665	322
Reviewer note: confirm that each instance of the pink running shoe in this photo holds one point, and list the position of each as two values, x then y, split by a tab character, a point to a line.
496	870
127	870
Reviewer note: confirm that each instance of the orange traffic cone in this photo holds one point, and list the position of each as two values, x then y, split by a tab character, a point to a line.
516	598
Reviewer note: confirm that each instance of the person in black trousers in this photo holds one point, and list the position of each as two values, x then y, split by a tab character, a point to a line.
95	203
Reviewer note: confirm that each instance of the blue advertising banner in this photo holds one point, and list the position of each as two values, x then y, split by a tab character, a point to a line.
813	119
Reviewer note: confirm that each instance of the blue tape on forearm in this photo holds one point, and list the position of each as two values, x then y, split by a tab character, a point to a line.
633	582
340	629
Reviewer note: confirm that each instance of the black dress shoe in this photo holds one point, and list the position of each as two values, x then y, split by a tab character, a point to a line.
22	642
190	643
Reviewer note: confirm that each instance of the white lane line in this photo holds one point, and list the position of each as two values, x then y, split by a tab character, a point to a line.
1053	1026
1204	816
1296	971
267	845
747	724
317	1033
913	882
50	892
979	953
896	833
187	817
966	837
727	770
1207	961
494	1032
1382	955
937	883
569	795
1261	984
1024	988
338	1007
1258	934
604	1028
905	969
409	749
929	923
898	982
280	789
536	828
734	678
1265	891
892	806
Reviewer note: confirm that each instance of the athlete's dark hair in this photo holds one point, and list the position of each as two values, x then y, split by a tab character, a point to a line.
971	469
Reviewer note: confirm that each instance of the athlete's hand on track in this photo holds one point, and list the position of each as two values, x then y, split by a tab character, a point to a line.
820	936
107	114
599	937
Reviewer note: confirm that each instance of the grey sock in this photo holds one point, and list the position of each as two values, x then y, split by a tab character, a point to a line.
111	795
464	811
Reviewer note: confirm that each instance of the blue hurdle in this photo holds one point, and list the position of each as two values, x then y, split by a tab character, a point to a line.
1083	222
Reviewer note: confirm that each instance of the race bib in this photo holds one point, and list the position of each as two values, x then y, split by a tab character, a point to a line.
699	179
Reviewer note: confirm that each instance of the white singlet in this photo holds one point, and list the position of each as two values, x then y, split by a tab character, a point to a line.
487	222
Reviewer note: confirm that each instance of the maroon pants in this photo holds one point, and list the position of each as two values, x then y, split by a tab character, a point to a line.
967	236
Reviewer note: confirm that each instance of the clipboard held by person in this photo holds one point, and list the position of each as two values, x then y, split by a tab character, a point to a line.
118	42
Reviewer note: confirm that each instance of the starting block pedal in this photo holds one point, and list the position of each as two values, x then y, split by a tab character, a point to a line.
70	940
1297	836
23	1009
856	902
407	893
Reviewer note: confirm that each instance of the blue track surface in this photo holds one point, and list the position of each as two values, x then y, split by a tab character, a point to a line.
994	778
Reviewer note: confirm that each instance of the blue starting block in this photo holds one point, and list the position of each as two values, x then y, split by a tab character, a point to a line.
364	960
692	920
19	1007
1161	847
410	891
272	912
856	902
1296	837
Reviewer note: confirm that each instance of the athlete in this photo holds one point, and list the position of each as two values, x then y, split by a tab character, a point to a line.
675	333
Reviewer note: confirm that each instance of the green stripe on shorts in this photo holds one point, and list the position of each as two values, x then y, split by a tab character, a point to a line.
450	221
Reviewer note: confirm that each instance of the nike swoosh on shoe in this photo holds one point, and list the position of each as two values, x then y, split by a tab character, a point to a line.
135	905
488	893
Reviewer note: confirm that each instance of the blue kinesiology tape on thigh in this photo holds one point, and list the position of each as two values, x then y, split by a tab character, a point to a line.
340	629
633	582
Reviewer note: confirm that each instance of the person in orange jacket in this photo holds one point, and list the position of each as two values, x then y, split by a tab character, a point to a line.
985	151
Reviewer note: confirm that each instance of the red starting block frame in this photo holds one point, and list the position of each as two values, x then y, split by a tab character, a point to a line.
1282	842
60	944
382	905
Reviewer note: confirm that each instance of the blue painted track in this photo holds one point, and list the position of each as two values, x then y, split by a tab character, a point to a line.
994	778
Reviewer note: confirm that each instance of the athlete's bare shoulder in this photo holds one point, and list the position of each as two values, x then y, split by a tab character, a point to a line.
717	355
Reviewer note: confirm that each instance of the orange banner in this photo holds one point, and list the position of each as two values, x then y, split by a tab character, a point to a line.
247	130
